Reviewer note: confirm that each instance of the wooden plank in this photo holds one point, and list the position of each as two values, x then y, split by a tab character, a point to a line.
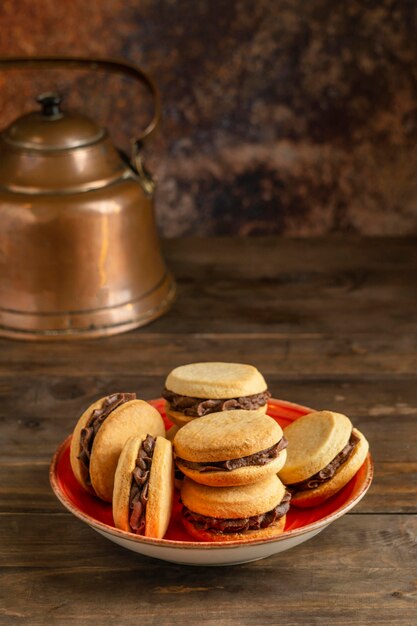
136	353
269	255
195	312
293	286
23	399
360	570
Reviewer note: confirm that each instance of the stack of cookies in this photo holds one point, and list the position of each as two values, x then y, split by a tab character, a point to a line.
231	489
229	451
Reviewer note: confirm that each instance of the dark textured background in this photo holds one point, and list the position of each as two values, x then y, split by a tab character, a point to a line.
288	117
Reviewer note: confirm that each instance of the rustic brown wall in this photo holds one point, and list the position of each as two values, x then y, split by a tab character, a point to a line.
287	116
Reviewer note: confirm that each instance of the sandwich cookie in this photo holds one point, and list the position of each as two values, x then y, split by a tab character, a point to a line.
144	486
242	513
230	448
324	452
100	435
198	389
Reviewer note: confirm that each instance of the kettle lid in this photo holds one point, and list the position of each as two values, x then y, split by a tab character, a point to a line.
51	128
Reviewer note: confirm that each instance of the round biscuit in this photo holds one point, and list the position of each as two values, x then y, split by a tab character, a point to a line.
227	435
135	417
315	497
123	482
233	502
161	490
313	441
216	380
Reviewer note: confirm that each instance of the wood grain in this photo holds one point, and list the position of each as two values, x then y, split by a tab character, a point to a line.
332	324
360	570
140	352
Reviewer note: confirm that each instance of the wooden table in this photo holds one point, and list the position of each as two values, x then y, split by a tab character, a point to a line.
331	324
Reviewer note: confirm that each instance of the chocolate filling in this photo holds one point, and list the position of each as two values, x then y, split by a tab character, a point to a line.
197	407
138	498
259	458
97	418
255	522
178	474
330	470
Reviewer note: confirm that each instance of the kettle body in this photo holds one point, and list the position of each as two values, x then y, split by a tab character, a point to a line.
79	250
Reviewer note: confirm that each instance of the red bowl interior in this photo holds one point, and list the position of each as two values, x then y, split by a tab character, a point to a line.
283	412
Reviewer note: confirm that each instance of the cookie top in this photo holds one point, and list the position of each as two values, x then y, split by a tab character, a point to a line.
135	417
233	502
313	441
216	380
160	490
226	435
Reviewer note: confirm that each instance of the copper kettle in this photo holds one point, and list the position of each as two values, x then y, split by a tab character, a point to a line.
79	251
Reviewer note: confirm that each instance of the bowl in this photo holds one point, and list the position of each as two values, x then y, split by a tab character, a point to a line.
179	547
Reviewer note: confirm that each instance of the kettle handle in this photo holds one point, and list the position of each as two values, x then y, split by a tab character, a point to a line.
110	65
